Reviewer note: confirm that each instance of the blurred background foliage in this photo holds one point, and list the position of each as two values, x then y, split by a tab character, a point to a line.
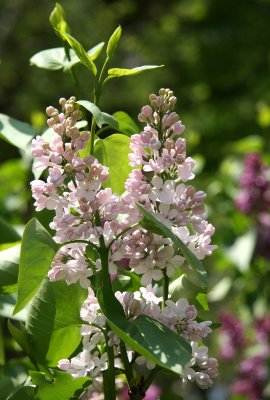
217	62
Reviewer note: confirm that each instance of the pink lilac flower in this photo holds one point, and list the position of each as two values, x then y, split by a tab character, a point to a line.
85	213
158	182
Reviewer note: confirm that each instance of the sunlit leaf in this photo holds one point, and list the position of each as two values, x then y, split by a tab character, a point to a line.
80	52
113	152
113	41
118	72
58	21
126	124
37	252
62	387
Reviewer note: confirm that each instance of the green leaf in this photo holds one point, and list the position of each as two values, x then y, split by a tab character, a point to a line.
54	321
118	72
6	386
21	336
18	133
7	304
9	265
57	20
221	289
182	287
56	59
113	41
241	252
126	124
101	118
146	335
37	252
22	393
7	233
51	59
62	387
113	152
80	52
151	223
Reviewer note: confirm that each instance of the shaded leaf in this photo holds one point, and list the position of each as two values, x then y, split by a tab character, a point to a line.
21	336
182	287
101	118
113	152
22	393
54	321
37	252
151	223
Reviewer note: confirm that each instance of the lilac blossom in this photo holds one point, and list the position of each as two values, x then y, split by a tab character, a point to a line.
85	213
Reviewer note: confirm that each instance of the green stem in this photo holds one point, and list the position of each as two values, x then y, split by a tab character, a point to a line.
165	287
92	135
128	368
150	378
110	372
97	93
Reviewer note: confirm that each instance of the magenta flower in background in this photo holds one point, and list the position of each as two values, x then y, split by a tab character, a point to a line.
232	335
252	378
255	186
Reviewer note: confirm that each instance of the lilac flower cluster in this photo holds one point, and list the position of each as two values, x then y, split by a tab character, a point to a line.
231	336
255	186
252	372
85	212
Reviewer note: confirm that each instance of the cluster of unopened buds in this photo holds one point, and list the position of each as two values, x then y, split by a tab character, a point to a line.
85	211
